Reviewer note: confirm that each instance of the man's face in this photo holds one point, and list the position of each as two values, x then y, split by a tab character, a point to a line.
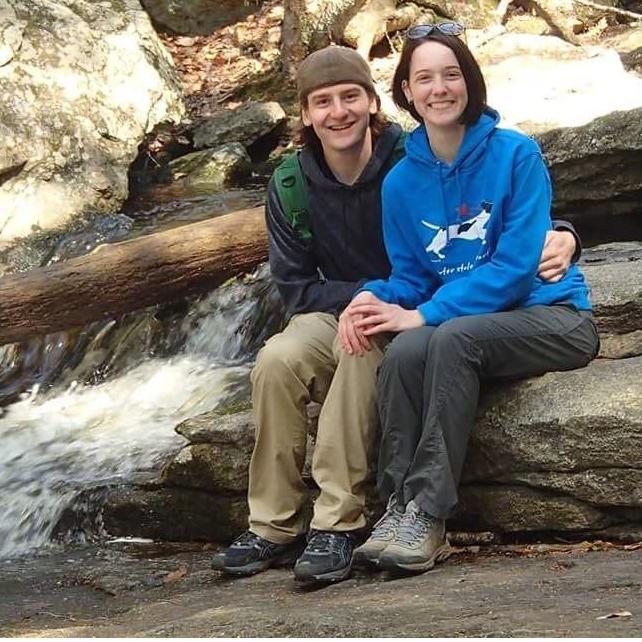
339	115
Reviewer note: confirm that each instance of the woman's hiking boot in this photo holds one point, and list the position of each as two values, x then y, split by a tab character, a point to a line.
249	554
419	542
383	533
326	558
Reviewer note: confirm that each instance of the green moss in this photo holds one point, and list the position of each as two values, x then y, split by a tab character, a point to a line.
232	407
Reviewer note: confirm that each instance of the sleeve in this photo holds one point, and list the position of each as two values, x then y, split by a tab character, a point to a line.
507	278
410	282
295	270
565	226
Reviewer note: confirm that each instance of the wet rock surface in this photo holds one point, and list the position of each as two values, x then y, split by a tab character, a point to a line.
175	514
212	169
143	589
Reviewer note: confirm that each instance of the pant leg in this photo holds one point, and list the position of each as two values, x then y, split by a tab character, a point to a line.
293	367
348	425
461	352
400	403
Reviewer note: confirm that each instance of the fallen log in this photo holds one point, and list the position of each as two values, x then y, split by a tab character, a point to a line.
130	275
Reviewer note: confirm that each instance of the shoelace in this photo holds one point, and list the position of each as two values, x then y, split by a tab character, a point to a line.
325	542
247	539
414	525
387	524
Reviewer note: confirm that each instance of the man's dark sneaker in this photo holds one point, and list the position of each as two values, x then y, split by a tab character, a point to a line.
249	554
326	558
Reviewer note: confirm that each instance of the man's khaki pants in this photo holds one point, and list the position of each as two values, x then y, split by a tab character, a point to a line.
304	363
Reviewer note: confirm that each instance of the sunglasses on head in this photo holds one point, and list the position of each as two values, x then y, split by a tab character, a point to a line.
447	28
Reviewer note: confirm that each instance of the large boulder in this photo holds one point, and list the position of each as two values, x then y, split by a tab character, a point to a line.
596	167
246	124
571	441
197	16
561	452
81	83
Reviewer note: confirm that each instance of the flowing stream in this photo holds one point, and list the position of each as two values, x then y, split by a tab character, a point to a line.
108	411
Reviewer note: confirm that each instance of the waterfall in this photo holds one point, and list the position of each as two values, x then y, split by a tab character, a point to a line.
64	441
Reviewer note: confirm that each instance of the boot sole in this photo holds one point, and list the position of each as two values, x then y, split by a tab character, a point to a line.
368	560
257	567
393	566
325	578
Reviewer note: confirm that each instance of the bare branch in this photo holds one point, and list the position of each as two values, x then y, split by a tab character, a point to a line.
619	12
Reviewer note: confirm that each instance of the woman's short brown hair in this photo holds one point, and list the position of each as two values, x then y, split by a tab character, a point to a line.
305	136
475	85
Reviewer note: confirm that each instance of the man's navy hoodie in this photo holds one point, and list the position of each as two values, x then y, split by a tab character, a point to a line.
346	248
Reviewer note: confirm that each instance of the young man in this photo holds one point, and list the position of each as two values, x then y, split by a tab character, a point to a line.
318	262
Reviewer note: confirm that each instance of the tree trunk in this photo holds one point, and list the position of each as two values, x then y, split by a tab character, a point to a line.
311	24
121	277
559	14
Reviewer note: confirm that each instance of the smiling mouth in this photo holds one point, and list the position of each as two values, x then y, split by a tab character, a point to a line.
340	128
441	105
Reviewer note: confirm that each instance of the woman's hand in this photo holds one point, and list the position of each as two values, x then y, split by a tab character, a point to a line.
377	316
559	248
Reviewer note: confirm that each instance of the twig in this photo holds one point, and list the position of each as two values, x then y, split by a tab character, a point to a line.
391	44
620	12
58	616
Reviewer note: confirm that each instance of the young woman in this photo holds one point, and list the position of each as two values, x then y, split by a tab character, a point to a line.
465	217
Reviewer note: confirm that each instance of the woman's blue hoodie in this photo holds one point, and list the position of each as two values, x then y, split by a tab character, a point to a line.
467	238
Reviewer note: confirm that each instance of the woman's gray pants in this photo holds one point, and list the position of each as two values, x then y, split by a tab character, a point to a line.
428	389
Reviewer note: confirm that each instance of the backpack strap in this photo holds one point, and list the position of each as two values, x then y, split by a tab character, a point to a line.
292	192
291	189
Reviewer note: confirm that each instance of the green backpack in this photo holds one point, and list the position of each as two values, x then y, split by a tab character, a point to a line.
293	195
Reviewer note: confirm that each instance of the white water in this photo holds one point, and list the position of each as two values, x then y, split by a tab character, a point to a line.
55	445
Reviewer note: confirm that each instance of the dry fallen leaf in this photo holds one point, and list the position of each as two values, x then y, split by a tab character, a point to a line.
618	613
633	547
176	575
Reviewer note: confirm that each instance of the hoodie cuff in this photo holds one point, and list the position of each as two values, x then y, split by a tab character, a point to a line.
565	226
428	312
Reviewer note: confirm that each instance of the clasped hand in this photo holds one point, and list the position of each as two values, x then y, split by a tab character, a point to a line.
367	315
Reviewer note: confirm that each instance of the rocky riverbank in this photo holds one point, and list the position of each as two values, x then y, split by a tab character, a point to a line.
131	590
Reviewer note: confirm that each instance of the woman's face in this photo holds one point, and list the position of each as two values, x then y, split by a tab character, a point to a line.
436	85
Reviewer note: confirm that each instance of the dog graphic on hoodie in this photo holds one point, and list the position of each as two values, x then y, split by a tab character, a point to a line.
471	230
